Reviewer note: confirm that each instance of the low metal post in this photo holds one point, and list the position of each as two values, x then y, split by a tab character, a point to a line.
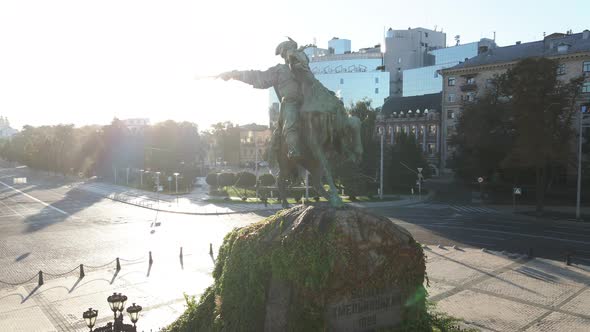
211	249
118	264
82	275
40	278
151	260
568	259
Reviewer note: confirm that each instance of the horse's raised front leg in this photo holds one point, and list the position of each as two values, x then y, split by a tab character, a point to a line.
316	182
334	198
281	185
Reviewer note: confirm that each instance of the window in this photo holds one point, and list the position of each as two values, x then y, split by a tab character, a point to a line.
450	114
399	60
341	81
451	97
431	148
426	34
376	90
586	67
471	80
489	83
586	87
561	69
432	129
376	80
451	81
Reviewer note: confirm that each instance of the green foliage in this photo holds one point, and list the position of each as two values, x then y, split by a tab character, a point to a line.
359	179
484	137
245	180
226	179
524	123
227	142
211	180
166	147
405	152
266	180
317	262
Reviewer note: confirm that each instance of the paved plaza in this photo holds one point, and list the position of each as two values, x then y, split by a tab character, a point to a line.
54	225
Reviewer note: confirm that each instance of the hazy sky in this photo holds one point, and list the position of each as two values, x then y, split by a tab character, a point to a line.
86	62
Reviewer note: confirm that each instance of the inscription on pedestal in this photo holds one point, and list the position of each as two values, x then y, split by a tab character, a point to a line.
365	310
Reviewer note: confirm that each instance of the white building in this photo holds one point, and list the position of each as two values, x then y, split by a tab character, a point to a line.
353	76
426	80
136	125
5	129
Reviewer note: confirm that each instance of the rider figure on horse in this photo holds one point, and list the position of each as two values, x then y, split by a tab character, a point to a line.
283	79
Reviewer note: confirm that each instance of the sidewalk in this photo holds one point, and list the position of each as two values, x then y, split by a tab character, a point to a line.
550	212
194	203
502	292
490	291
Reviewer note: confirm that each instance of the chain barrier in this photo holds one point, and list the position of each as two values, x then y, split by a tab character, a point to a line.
81	267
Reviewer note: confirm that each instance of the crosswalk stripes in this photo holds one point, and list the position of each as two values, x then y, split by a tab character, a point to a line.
471	209
458	208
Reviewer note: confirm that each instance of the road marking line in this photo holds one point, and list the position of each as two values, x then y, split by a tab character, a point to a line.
489	237
13	210
517	234
564	233
35	199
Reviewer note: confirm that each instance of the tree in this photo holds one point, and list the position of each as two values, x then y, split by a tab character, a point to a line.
358	179
542	108
484	136
406	157
245	180
523	123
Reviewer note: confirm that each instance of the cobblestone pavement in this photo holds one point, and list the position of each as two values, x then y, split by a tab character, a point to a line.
54	227
492	291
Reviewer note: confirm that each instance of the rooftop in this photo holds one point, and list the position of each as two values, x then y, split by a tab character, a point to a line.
548	47
403	104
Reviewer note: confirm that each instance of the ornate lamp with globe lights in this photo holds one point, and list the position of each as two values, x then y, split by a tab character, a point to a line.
117	304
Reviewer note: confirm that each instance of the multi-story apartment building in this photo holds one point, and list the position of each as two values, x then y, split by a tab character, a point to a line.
418	116
408	49
426	80
466	81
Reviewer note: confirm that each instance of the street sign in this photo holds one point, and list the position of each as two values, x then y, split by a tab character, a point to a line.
517	191
420	169
480	179
169	178
19	181
160	188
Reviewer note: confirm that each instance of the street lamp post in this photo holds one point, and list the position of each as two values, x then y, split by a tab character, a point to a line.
382	134
141	178
583	111
117	304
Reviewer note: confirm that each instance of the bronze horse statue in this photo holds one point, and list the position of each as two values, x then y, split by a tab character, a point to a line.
328	134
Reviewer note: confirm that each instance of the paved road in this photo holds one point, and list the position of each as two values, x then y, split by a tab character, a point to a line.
482	227
46	225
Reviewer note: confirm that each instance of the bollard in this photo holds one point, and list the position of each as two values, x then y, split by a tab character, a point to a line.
530	253
82	271
151	260
118	265
211	249
40	278
180	252
568	259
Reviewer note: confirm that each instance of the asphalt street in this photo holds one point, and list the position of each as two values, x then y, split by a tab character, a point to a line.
481	227
49	224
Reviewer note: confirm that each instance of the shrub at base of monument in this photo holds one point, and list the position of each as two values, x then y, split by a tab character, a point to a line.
314	268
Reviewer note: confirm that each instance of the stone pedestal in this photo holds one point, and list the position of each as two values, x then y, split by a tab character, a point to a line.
317	268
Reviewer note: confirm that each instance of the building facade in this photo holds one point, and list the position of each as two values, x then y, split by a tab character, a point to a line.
5	130
419	116
254	143
408	49
352	76
426	80
466	81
